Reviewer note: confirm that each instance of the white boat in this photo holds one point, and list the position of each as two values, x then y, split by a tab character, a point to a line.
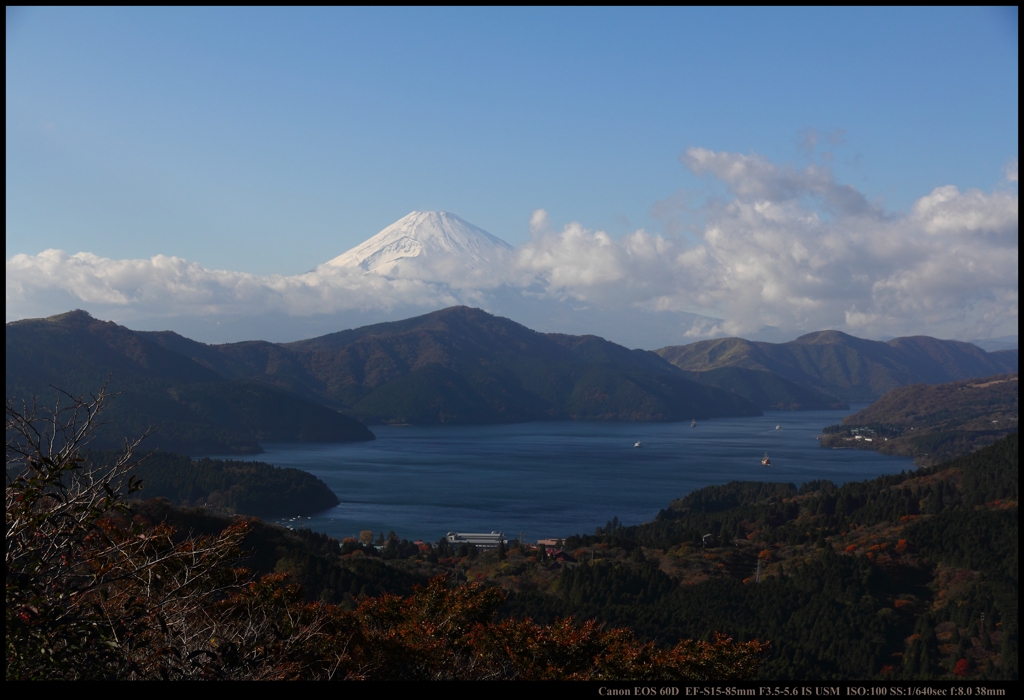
638	444
693	423
778	427
765	461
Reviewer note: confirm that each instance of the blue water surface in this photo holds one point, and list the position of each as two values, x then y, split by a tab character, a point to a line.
556	479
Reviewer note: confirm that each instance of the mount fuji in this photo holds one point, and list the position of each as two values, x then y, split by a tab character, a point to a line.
436	247
454	262
423	262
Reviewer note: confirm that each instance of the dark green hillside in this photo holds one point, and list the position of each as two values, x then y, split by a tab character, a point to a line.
437	394
227	486
604	394
1007	358
488	368
706	355
267	414
256	360
841	365
490	354
985	399
463	365
831	362
908	576
78	353
933	423
853	368
937	361
196	409
595	350
466	341
459	365
324	567
767	390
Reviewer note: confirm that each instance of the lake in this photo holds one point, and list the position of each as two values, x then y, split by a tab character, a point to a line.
557	479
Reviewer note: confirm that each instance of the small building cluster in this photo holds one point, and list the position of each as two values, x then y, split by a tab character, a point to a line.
862	434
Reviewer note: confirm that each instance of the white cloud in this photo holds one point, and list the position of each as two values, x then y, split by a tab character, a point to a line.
170	286
768	258
538	222
755	178
791	249
1010	170
946	210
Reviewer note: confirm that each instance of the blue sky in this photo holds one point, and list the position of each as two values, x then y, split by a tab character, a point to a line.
271	140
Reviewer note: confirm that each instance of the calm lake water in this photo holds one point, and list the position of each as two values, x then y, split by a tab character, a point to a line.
557	479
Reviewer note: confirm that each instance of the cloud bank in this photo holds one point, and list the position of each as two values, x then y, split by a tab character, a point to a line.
789	247
171	286
795	249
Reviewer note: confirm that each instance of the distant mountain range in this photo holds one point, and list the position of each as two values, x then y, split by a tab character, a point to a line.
836	364
1005	342
463	365
197	409
457	365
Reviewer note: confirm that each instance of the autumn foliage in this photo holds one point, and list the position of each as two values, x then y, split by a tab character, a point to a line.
92	593
445	633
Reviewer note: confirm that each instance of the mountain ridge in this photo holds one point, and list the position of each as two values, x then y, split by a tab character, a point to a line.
457	365
844	366
528	374
464	365
197	409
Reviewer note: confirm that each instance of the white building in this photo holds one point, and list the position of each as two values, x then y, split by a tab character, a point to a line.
483	540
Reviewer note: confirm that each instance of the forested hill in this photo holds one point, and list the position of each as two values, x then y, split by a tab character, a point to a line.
909	576
196	409
463	365
226	486
933	423
840	365
768	390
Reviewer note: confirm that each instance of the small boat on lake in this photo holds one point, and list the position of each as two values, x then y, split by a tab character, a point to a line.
693	423
765	461
638	444
778	427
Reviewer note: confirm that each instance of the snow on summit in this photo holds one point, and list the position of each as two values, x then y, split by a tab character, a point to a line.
431	245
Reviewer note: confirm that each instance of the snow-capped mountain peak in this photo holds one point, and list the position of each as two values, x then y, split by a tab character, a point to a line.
426	242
